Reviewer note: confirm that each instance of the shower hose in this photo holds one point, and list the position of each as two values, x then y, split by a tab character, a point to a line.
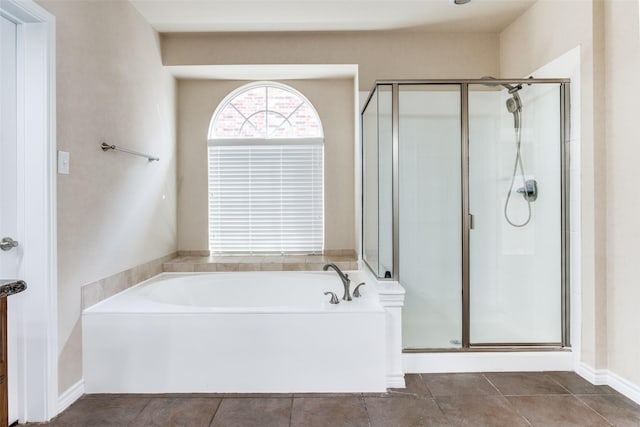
518	165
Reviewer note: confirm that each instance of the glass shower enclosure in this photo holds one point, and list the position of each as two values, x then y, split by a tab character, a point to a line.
465	189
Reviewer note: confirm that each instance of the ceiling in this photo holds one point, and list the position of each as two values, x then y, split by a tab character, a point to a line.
329	15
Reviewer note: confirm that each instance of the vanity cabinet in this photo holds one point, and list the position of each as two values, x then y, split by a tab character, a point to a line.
4	400
7	288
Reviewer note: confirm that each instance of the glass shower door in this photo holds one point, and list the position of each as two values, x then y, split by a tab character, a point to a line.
430	262
515	202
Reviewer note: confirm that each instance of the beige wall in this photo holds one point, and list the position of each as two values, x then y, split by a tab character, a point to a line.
546	31
609	36
334	101
115	211
622	99
380	55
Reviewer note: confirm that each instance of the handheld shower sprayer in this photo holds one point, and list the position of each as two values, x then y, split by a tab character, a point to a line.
530	189
514	104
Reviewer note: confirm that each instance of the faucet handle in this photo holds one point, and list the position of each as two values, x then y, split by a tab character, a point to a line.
334	298
356	291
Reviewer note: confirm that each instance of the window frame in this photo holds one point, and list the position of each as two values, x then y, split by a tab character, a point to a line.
213	142
212	139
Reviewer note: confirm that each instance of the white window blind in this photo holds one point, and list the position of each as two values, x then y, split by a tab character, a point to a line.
266	198
266	173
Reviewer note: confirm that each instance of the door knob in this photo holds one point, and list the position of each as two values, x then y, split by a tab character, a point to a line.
7	243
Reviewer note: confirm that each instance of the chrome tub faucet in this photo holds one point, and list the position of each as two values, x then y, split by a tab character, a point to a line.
344	277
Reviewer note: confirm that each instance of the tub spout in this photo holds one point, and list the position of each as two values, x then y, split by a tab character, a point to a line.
345	280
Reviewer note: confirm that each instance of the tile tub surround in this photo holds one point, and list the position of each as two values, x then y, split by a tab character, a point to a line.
191	263
429	399
99	290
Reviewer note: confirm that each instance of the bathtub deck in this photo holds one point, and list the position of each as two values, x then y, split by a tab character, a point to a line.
189	264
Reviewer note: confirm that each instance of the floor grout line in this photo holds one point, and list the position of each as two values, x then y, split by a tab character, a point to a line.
539	395
526	420
435	400
216	411
559	383
594	410
422	380
515	409
141	410
291	412
492	384
366	410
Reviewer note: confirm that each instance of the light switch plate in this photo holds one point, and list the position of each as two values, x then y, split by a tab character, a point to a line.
63	162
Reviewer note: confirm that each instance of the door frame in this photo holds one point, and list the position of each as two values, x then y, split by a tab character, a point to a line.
37	326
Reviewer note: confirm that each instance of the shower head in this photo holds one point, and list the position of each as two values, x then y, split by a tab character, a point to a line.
514	103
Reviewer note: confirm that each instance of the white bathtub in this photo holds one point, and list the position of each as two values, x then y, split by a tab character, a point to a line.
236	332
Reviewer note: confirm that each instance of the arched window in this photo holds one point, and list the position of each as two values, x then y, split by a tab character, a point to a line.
266	172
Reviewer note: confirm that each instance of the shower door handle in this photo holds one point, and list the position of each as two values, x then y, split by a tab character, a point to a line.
471	222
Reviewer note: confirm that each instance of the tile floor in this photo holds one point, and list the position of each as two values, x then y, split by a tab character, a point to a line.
491	399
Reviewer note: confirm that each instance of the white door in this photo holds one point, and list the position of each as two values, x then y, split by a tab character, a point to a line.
9	224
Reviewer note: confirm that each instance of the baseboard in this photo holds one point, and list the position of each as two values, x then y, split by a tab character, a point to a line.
70	395
613	380
594	376
487	361
622	385
395	381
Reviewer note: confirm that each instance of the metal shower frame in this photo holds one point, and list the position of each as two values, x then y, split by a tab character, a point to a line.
463	84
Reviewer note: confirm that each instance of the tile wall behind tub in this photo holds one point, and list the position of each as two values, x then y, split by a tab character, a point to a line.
226	263
97	291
